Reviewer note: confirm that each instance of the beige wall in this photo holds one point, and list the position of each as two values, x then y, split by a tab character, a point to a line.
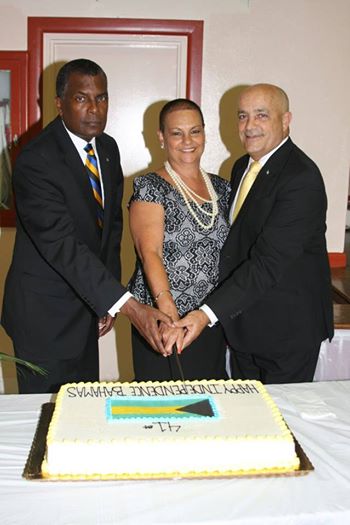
303	45
8	381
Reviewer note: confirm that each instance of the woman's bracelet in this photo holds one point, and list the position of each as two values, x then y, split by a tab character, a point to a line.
161	293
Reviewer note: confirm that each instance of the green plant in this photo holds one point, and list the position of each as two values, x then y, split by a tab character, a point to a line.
34	368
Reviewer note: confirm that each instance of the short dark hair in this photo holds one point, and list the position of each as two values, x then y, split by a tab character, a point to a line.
174	105
80	65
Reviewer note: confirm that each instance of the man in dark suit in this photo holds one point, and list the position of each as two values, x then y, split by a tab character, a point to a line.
274	295
62	290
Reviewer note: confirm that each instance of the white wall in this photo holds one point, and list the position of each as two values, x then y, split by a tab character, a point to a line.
302	45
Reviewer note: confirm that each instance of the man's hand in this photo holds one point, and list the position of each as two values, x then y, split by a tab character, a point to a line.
145	319
105	324
194	323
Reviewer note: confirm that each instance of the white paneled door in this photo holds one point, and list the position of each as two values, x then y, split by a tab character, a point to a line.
141	69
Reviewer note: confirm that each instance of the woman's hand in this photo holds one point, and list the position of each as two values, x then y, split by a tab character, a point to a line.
172	336
146	320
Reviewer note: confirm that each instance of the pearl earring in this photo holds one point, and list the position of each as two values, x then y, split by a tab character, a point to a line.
162	145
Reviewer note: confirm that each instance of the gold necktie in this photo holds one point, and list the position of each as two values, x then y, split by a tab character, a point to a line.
94	176
245	187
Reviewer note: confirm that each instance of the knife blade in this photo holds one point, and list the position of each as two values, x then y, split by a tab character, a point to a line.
176	357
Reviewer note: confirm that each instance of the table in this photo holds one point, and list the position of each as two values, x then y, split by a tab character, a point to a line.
317	413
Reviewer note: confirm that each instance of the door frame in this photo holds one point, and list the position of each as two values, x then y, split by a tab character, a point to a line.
38	26
17	63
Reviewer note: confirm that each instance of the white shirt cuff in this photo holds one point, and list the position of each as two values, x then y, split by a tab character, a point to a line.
117	306
212	317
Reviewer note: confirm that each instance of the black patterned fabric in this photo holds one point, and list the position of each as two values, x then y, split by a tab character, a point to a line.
190	253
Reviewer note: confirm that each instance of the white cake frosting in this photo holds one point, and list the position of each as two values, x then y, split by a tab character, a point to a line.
244	433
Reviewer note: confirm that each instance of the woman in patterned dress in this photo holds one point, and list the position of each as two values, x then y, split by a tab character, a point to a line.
179	222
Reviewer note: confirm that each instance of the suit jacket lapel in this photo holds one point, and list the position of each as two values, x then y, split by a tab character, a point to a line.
270	172
76	168
236	176
277	161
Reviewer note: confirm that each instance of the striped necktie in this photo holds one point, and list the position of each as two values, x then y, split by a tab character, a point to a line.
94	176
245	187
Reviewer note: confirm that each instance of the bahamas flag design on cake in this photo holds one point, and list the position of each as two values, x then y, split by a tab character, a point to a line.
173	407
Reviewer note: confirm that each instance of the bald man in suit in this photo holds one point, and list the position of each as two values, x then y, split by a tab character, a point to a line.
274	295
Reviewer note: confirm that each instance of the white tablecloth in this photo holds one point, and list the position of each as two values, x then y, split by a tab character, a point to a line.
334	359
317	413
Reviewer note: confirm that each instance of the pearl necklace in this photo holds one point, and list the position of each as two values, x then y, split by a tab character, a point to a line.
190	197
